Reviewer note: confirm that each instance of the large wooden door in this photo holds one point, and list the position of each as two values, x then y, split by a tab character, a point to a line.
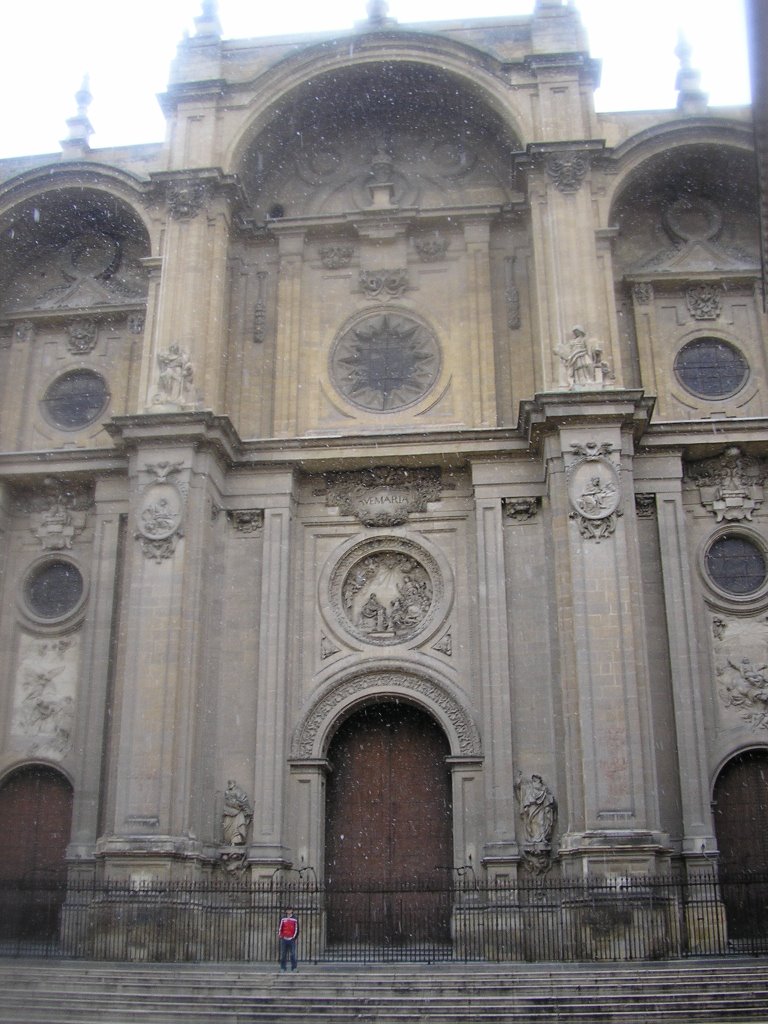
35	823
388	827
741	822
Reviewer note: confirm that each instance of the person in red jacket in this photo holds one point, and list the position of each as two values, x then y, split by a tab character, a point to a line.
288	933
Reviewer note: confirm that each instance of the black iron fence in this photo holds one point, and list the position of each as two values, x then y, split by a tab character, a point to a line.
611	919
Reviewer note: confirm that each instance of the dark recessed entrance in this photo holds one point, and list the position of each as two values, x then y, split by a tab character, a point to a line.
35	822
741	822
389	828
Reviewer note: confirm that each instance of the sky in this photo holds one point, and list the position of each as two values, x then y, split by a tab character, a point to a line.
126	49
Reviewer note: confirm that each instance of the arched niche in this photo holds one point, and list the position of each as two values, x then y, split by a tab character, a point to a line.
421	127
700	197
71	248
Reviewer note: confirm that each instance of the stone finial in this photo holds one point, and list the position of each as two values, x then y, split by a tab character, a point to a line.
377	12
207	25
691	99
80	128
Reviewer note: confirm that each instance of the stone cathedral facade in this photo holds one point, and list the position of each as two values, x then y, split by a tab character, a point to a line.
382	468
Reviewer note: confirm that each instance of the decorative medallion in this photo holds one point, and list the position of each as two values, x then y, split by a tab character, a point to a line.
386	590
385	362
383	495
594	491
160	512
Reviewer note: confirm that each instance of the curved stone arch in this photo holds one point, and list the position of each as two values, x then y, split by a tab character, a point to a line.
632	156
478	72
384	682
7	771
98	178
748	747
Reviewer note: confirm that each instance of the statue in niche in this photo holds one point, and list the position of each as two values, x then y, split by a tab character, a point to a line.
538	811
237	815
584	364
175	378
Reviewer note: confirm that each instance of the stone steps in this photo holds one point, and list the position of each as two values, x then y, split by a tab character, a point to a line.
71	992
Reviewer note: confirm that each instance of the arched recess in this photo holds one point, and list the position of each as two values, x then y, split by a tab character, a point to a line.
431	133
35	823
685	263
740	804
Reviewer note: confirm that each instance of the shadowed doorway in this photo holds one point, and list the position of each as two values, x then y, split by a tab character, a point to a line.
389	828
741	824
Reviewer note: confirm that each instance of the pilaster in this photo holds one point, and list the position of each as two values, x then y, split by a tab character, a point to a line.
154	823
588	443
91	738
287	342
268	848
500	853
479	291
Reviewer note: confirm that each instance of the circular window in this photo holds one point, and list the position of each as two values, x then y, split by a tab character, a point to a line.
385	362
736	565
711	368
76	399
53	589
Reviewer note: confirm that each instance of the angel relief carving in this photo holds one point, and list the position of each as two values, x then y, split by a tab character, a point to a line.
45	693
741	660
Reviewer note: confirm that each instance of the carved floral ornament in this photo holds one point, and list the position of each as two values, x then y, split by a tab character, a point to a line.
386	591
741	667
594	490
160	513
730	486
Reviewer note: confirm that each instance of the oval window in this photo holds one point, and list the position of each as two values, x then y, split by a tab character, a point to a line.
711	368
736	565
53	589
76	399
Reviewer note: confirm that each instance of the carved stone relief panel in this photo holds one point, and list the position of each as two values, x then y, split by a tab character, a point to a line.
57	511
44	694
386	591
741	664
383	495
730	486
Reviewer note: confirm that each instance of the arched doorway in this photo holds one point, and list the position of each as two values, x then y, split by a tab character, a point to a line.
741	824
35	823
389	828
